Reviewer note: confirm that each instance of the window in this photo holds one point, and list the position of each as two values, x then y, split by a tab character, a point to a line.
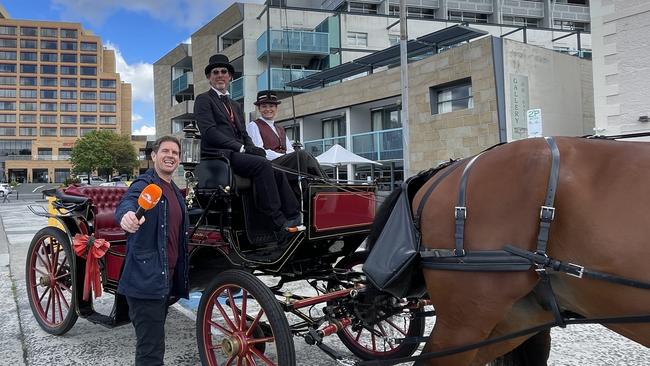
7	55
7	93
88	83
48	82
88	120
67	152
7	131
88	59
393	39
29	43
7	118
50	107
451	97
27	131
521	21
68	94
358	39
88	95
7	106
69	107
88	46
88	70
48	94
68	70
386	118
8	30
27	81
48	119
49	45
27	106
107	108
48	57
107	83
412	12
570	25
68	46
48	69
107	120
68	131
28	93
68	33
28	31
85	131
68	57
7	67
333	127
7	43
463	16
48	131
67	82
88	107
27	118
363	8
44	151
68	119
7	80
48	32
28	69
28	56
107	96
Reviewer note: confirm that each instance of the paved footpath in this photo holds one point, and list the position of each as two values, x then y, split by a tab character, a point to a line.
24	343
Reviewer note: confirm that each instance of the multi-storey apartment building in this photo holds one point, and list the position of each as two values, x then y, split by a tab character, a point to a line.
305	37
57	83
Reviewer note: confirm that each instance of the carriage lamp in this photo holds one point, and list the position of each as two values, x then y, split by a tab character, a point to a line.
190	156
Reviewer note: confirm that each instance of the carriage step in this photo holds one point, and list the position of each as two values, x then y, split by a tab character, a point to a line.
104	320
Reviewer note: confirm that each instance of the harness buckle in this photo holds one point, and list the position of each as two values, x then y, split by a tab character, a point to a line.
547	213
575	270
460	210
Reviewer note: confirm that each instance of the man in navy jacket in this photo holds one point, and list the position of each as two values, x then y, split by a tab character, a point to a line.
156	265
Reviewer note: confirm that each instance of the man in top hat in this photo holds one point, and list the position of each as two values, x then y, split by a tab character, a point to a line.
221	122
274	140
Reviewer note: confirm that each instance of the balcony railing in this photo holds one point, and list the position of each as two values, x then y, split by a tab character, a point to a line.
39	157
182	83
280	77
237	88
379	145
294	41
317	147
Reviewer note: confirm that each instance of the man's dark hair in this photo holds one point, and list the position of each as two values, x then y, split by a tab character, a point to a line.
156	145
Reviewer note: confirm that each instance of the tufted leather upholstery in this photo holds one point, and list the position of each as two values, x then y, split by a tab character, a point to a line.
104	203
213	173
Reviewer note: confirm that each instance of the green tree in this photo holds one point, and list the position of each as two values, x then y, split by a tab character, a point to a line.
104	152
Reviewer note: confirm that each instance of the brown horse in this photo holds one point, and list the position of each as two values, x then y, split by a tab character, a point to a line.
602	221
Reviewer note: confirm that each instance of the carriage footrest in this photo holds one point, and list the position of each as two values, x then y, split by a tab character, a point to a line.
105	320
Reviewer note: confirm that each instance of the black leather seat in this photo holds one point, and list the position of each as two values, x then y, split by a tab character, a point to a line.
215	174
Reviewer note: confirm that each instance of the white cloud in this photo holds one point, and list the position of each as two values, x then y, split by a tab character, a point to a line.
145	130
139	74
189	14
136	117
188	40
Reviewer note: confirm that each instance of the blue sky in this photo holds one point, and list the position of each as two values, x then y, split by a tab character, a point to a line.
141	32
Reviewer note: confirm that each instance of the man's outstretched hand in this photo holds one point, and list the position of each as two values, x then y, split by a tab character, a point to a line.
254	150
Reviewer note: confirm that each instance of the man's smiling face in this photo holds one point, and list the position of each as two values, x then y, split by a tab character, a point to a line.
220	78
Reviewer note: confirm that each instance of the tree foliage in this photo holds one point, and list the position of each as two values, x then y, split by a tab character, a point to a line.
105	152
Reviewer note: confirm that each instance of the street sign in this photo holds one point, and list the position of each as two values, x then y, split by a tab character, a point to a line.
534	119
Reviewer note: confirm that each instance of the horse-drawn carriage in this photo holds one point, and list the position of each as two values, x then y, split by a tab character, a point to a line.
510	244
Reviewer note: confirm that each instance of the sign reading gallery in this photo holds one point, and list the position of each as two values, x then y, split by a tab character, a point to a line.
518	106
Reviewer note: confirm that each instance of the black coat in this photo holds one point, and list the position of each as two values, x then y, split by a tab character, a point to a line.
217	134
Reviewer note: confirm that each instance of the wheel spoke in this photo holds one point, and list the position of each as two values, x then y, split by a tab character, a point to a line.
262	357
47	306
53	307
359	334
229	361
233	307
403	331
242	319
40	299
261	340
383	333
250	360
254	324
225	317
374	341
40	258
67	305
60	296
36	269
220	327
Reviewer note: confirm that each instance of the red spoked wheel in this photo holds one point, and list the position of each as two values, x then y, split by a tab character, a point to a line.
50	281
376	341
240	322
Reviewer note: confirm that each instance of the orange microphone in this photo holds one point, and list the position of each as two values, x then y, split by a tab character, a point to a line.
148	199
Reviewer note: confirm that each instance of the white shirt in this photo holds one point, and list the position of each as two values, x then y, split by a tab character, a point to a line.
254	133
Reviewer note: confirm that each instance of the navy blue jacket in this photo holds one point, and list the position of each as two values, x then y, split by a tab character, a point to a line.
145	266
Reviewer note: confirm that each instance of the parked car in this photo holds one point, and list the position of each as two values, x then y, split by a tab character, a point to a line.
5	189
117	183
94	181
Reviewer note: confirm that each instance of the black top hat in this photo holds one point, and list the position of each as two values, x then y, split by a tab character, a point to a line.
266	96
219	60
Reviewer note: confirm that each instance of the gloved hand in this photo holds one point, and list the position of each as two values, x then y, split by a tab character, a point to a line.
254	150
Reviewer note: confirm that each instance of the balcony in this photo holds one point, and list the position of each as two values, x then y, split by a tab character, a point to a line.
317	147
236	88
279	78
183	84
379	145
293	41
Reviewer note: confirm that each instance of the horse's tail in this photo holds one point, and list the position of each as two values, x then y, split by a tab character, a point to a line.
382	217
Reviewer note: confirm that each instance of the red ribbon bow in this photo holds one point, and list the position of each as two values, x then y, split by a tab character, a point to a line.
92	249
